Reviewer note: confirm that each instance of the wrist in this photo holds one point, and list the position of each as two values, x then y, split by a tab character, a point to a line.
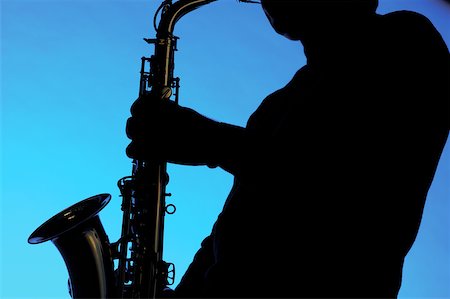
228	144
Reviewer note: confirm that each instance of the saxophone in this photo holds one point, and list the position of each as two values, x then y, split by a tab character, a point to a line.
77	231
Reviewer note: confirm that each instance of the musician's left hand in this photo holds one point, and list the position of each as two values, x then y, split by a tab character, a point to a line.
160	129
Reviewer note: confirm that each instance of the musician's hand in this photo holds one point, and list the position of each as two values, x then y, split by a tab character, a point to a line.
162	130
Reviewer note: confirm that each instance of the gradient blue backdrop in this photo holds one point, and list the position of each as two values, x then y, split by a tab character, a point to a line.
69	73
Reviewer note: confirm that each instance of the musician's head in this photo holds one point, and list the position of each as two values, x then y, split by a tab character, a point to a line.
295	18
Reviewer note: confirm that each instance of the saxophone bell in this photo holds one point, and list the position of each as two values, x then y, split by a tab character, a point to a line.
81	239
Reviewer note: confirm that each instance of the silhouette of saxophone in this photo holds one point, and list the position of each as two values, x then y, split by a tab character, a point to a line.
77	231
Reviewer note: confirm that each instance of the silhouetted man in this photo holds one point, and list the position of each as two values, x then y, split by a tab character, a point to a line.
331	171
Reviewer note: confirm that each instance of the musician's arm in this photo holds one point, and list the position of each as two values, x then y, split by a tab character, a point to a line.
229	145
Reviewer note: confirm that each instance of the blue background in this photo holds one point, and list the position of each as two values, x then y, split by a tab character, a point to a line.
70	72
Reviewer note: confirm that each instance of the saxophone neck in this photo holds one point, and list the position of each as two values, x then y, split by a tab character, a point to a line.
165	42
172	13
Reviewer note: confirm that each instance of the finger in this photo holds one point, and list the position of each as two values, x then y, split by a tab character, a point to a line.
141	128
130	151
136	150
138	105
133	128
140	150
145	104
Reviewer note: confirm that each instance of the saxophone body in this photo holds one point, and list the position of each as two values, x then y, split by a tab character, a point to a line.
77	231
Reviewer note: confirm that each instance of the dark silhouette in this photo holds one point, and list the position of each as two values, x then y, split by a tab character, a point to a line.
331	171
